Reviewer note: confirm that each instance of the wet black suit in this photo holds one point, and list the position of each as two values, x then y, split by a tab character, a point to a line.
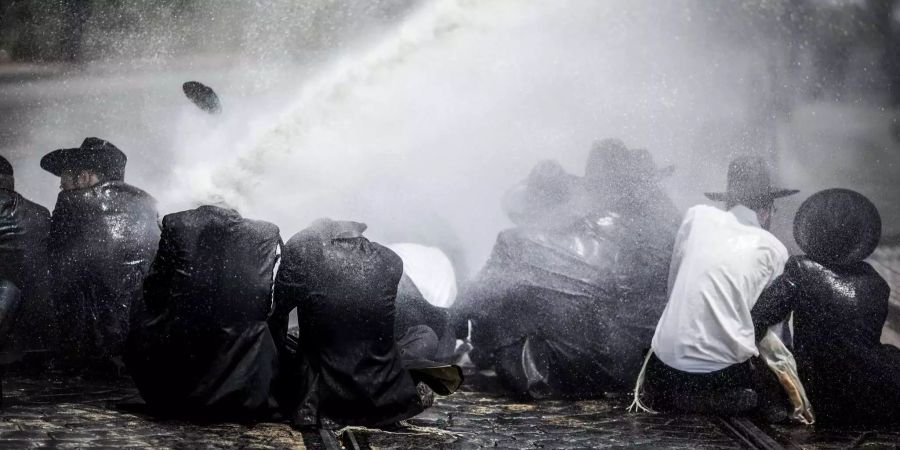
839	311
569	312
24	232
102	241
201	345
345	367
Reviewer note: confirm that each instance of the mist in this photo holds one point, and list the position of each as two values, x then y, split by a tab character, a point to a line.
417	121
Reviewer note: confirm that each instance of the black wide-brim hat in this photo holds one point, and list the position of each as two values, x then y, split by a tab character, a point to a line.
749	180
837	226
610	160
94	153
548	196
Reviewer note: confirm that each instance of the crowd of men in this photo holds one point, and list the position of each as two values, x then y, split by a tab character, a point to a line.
599	287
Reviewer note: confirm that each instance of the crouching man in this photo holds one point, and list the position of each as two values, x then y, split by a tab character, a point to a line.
345	366
24	231
200	344
700	358
103	235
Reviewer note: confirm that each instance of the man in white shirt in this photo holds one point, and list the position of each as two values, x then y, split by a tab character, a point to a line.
722	261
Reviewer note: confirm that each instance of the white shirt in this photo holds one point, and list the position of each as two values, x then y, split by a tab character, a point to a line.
721	263
430	270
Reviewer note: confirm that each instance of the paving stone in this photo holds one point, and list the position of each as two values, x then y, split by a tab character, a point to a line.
18	444
20	434
66	414
71	435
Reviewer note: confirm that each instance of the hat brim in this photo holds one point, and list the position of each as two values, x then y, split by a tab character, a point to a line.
727	196
109	161
524	208
56	161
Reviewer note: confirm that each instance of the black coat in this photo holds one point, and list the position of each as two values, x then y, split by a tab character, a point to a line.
24	232
346	367
569	312
839	311
201	344
102	241
413	310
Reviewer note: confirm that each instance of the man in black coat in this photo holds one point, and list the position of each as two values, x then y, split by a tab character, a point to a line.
200	344
838	304
103	236
24	231
345	367
569	298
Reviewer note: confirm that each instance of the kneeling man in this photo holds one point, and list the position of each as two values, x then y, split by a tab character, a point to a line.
722	261
103	235
200	344
345	367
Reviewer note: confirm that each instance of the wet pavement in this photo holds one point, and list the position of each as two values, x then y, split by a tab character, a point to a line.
66	414
807	438
475	420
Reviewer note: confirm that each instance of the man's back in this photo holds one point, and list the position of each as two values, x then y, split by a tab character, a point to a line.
112	219
215	266
347	367
102	241
721	263
24	231
202	345
357	281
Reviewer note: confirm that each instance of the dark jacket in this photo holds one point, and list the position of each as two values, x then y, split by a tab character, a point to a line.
24	232
412	312
839	311
569	311
346	367
200	345
102	241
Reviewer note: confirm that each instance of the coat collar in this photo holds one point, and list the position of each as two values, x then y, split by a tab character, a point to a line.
745	216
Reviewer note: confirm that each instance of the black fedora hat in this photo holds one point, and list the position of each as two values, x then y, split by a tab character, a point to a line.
549	195
610	162
837	226
94	153
749	180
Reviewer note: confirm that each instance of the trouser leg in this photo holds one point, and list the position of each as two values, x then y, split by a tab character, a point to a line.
773	401
727	391
524	368
10	303
419	342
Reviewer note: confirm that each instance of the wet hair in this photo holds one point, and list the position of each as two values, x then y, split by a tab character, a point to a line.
755	203
8	182
5	167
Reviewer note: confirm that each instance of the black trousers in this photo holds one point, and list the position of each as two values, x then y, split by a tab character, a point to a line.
669	388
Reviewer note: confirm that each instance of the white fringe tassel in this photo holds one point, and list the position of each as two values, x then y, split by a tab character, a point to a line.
637	405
